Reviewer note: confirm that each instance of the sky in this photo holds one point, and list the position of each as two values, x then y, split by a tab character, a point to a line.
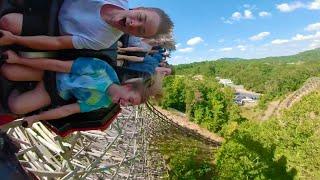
213	29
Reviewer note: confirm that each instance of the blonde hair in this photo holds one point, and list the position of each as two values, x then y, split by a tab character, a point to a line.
155	88
149	87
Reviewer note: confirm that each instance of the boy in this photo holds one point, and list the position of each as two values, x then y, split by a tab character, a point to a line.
85	24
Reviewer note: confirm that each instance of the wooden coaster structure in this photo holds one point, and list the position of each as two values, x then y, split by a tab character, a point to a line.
117	153
120	152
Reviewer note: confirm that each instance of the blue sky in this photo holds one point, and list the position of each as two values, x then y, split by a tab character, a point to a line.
212	29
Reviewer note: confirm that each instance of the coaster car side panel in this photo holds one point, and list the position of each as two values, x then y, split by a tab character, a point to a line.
96	120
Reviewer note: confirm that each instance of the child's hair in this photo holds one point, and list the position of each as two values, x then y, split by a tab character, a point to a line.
149	86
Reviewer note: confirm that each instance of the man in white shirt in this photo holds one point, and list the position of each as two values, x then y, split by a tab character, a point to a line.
94	24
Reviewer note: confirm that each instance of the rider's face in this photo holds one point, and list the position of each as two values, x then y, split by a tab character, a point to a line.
127	96
131	98
138	22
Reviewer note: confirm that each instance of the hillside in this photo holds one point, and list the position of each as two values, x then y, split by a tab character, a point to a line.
273	76
286	147
281	147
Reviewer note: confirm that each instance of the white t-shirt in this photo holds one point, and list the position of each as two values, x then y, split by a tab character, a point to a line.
82	20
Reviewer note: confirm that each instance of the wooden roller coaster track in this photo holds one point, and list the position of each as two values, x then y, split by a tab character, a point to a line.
120	152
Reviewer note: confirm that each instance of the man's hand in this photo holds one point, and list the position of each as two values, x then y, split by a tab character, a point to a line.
6	38
11	57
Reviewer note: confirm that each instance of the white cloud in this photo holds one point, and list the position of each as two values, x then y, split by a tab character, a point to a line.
239	41
315	44
315	5
228	22
178	45
300	37
194	41
236	16
179	60
313	27
248	14
246	6
264	14
259	36
285	7
242	47
185	50
225	49
250	7
211	50
279	41
221	40
177	57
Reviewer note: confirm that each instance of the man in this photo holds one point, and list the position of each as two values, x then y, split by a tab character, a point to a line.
87	25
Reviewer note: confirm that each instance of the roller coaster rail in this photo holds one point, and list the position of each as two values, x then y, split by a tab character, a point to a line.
312	84
120	152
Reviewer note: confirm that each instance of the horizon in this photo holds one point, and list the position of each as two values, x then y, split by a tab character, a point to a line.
248	59
240	28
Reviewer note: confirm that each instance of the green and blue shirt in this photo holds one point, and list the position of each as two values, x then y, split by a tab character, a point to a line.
88	82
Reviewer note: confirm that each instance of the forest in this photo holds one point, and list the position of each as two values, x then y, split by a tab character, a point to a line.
274	77
282	147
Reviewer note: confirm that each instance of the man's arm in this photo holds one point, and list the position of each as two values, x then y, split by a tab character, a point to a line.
37	42
53	114
41	63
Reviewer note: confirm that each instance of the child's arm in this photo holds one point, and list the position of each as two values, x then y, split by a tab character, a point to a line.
53	114
130	58
43	63
37	42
